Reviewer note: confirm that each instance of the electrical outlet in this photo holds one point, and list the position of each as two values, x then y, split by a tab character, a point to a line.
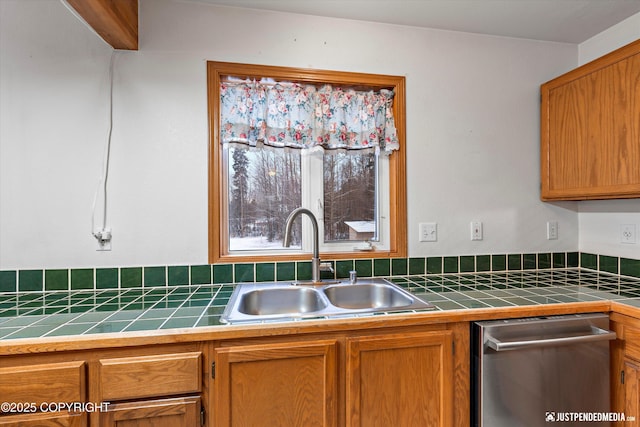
552	230
628	233
104	239
476	230
428	232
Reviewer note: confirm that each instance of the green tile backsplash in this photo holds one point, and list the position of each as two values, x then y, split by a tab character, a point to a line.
498	262
178	275
30	280
514	262
451	264
200	274
106	278
265	272
416	266
82	278
155	276
467	264
56	280
382	267
287	270
589	261
630	267
162	276
398	267
483	263
244	272
131	277
8	281
434	265
343	267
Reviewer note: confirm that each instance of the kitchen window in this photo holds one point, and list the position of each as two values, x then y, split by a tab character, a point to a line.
257	174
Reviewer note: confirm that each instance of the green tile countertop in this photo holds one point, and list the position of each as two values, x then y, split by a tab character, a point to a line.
84	312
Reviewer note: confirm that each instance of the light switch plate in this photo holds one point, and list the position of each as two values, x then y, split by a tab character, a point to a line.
428	232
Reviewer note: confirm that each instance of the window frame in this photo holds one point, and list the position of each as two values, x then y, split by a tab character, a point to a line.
217	198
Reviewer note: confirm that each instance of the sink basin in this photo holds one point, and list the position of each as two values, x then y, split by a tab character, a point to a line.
370	295
282	301
290	300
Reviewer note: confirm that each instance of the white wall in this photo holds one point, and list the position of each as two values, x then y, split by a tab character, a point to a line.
600	221
472	128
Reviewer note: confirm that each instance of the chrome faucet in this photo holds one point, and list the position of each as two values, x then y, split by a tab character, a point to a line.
315	261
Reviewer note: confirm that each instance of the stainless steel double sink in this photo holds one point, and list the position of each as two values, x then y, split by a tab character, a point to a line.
260	302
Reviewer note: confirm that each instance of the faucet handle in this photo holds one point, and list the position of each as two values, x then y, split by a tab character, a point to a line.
326	266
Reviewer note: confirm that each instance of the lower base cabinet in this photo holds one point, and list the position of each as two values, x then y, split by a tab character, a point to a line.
397	378
400	380
174	412
280	384
407	375
625	369
631	386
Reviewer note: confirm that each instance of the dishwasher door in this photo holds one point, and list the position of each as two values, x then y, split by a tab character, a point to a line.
536	371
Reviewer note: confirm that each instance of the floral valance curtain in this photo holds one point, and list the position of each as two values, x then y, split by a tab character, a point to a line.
303	116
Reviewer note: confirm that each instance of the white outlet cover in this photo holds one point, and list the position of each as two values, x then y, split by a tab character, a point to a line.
628	234
476	230
552	230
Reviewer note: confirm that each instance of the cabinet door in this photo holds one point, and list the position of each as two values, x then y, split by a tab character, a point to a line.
56	419
176	412
567	131
400	380
631	387
590	128
281	384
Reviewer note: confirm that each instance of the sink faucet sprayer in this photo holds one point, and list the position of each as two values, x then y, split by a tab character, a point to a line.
315	261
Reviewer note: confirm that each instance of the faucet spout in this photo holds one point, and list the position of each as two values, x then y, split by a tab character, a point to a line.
315	261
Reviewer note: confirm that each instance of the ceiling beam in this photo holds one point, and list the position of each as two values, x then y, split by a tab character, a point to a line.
116	21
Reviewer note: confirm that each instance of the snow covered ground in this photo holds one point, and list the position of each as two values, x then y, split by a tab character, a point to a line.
256	243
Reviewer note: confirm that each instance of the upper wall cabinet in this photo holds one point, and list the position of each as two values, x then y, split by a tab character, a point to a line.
590	130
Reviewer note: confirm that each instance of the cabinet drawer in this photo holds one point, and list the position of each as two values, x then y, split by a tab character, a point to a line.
50	382
182	411
150	376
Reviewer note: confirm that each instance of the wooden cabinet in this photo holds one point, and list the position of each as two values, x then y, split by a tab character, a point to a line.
175	412
632	398
126	378
32	386
625	369
400	379
398	376
146	383
590	130
360	374
44	382
141	386
279	384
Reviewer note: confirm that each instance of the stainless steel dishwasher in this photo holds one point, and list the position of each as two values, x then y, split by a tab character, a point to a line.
541	371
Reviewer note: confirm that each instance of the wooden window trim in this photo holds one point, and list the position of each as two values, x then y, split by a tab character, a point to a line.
216	71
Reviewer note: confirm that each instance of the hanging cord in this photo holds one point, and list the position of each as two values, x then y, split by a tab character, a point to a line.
105	167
